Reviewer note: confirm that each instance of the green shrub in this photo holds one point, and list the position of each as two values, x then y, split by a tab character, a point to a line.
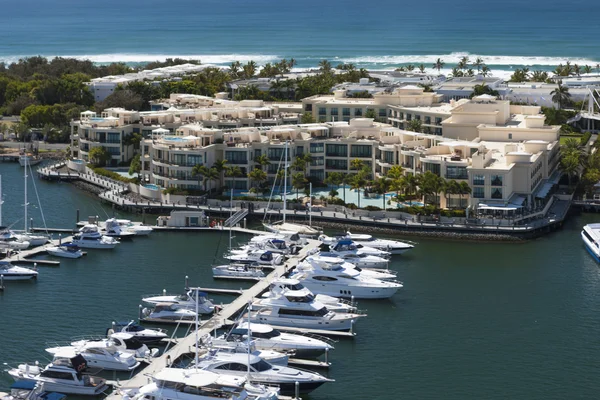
585	138
112	175
372	208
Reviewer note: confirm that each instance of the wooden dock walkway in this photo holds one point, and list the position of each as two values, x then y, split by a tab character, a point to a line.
185	345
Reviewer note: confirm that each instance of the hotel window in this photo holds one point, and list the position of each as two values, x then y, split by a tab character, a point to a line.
322	118
236	157
178	159
358	112
113	137
317	147
322	111
336	164
478	193
193	160
114	151
438	121
334	111
276	154
400	115
408	117
510	135
317	174
272	168
418	117
308	107
496	180
496	193
345	111
337	150
428	120
388	157
479	180
299	150
453	172
382	112
360	150
316	161
435	168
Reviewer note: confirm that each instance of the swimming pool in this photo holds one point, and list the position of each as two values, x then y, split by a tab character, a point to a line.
152	186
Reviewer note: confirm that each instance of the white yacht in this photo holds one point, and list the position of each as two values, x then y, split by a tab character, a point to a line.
62	376
97	355
65	250
261	257
360	260
296	290
112	228
26	159
123	342
383	274
89	237
335	280
241	346
301	312
591	238
138	229
278	246
186	300
9	241
168	313
290	239
198	384
144	335
392	246
262	372
33	239
11	272
238	271
344	247
265	337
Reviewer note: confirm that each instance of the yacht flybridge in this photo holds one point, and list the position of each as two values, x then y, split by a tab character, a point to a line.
183	301
89	237
391	246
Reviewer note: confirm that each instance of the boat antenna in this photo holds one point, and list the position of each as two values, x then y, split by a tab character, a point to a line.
39	202
249	336
285	165
197	327
1	201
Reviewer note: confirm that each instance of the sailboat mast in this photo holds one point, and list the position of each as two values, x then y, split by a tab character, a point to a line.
310	204
285	157
1	201
25	179
230	215
197	327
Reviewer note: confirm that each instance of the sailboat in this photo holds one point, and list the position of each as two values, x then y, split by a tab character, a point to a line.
25	235
282	226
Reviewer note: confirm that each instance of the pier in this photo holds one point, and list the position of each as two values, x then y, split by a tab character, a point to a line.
186	345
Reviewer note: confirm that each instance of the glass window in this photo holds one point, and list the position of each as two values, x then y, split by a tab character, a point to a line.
382	112
478	192
276	153
454	172
333	111
496	180
322	111
317	161
360	150
179	159
317	147
345	111
388	157
236	157
479	180
497	193
308	107
408	117
438	121
428	120
337	150
357	112
194	159
336	164
435	168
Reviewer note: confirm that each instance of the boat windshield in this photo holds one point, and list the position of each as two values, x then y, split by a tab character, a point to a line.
261	366
334	267
266	335
133	344
297	286
301	299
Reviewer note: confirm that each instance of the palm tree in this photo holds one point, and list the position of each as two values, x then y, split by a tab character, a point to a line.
478	63
234	68
249	69
257	176
451	187
463	188
233	172
414	125
470	72
561	95
587	69
485	70
211	174
422	68
463	63
410	67
412	183
577	69
539	76
438	64
262	161
572	157
456	73
357	182
200	172
346	179
298	182
382	186
324	66
220	166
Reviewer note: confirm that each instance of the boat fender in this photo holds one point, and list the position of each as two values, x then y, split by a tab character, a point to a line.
109	332
168	361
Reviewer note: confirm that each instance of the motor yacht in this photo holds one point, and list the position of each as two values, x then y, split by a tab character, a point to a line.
344	247
89	237
591	239
265	337
199	384
335	280
382	274
392	246
123	342
262	257
30	390
11	272
186	300
65	250
28	159
112	228
359	259
9	241
168	313
278	246
144	335
241	346
98	355
290	239
238	271
32	238
262	372
138	229
62	376
296	290
288	228
301	312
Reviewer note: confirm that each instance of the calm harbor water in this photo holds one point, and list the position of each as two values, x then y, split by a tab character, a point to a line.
475	320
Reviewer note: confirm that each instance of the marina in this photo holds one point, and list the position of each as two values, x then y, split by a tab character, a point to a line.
417	303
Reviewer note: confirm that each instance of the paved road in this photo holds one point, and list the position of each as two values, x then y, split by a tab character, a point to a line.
42	145
9	118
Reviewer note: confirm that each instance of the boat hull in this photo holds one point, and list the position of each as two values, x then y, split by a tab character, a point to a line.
352	292
64	254
331	325
91	245
19	277
589	246
73	389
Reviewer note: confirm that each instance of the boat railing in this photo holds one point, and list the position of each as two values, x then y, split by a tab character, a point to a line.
325	339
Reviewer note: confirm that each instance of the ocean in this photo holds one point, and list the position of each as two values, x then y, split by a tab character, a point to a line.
386	34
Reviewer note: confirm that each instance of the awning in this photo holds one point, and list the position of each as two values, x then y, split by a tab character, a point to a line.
499	207
518	200
543	192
